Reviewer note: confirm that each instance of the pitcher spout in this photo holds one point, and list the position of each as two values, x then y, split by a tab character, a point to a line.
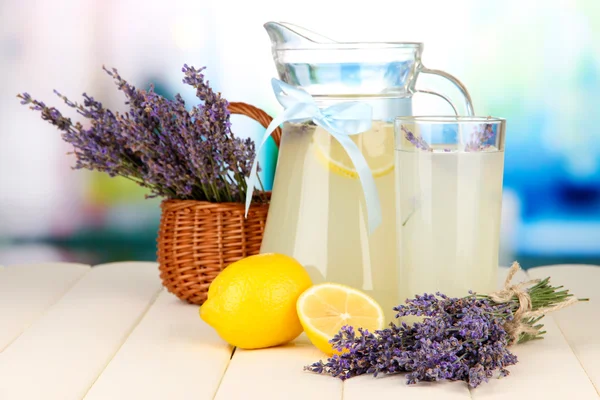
289	36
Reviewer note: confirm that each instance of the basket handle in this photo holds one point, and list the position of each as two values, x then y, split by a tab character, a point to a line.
256	114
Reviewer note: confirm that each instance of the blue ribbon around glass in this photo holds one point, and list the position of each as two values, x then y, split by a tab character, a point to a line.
340	120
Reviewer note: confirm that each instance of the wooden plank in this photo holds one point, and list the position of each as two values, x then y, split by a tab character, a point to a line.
172	354
395	387
27	291
277	373
547	369
579	324
62	353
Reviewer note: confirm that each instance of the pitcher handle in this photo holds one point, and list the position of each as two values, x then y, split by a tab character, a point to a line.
463	90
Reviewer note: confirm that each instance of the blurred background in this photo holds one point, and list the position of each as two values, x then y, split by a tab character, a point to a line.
535	63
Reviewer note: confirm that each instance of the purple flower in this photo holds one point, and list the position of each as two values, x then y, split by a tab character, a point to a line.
480	135
478	141
458	339
417	141
159	143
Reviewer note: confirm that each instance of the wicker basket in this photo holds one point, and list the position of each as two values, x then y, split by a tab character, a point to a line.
198	239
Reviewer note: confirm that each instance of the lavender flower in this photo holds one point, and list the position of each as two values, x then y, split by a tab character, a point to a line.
477	142
480	135
417	141
158	143
458	339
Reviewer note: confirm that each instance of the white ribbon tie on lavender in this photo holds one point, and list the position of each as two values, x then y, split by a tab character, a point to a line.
340	120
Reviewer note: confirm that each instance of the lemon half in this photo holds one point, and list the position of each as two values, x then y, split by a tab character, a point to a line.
323	309
376	145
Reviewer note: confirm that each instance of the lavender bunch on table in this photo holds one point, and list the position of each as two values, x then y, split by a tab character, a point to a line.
158	143
459	339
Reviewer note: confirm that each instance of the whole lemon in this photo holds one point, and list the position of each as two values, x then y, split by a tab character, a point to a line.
252	303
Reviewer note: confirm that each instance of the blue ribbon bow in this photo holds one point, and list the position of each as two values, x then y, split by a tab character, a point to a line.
340	120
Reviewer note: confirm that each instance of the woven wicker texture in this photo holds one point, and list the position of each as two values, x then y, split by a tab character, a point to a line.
198	239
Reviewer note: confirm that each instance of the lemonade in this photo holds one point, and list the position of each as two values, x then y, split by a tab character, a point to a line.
319	217
449	215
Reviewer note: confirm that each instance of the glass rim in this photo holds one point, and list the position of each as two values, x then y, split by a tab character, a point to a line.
449	119
353	46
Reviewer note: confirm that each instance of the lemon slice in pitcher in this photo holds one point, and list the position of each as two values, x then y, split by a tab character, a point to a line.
323	309
376	145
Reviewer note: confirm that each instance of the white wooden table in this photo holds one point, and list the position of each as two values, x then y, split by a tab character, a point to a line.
68	331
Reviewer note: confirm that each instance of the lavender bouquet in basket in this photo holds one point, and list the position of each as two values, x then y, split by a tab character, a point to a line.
459	339
158	143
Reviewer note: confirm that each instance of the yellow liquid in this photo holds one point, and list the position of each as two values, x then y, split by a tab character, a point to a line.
449	221
318	216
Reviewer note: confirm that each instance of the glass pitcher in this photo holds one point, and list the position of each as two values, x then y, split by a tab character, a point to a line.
317	213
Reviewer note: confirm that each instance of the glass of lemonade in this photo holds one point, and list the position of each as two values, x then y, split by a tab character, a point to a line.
448	202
